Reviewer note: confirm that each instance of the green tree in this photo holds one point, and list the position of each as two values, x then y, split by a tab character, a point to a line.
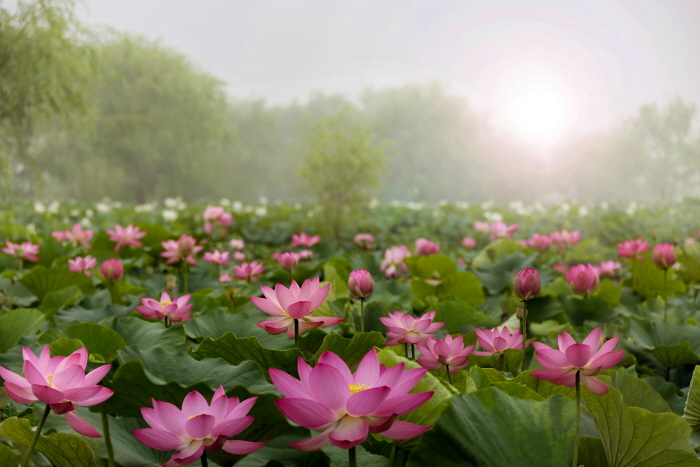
341	168
46	67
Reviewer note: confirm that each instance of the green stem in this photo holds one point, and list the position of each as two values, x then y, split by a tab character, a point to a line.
167	322
108	439
21	265
405	349
291	277
665	294
185	277
500	363
35	438
413	352
449	376
296	333
205	462
362	315
12	294
352	456
392	456
524	334
578	417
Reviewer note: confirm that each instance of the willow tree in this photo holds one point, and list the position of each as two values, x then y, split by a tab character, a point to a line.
46	67
341	166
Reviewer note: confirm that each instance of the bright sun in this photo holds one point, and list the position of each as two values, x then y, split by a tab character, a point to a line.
537	107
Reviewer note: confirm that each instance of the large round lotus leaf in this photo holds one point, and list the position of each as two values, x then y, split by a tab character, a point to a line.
490	428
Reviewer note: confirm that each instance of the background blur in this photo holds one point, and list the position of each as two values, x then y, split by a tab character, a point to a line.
398	100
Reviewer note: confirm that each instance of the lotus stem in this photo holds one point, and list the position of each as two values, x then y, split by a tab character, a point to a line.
362	315
12	295
405	349
665	294
449	376
578	417
205	462
352	456
413	352
392	456
35	438
524	335
167	322
185	277
296	333
108	439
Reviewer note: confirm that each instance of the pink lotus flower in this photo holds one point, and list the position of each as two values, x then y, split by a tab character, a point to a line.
237	244
664	256
562	268
60	382
483	227
689	241
632	249
293	303
346	407
405	329
197	427
450	353
495	342
216	215
361	284
76	235
217	257
561	365
565	237
469	243
539	243
393	261
82	265
239	256
582	279
287	260
425	247
305	240
246	272
112	270
607	268
128	235
364	240
527	284
303	255
225	278
176	309
183	249
500	229
26	251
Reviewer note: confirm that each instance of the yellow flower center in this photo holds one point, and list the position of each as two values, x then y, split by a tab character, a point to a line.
357	388
192	416
49	379
164	304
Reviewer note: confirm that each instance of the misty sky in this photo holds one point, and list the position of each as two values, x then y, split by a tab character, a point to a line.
539	66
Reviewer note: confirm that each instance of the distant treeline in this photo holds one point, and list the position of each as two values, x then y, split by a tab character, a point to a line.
84	117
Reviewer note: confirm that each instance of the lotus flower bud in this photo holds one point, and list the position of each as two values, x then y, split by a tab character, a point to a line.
664	256
361	284
527	284
287	260
112	270
468	243
582	279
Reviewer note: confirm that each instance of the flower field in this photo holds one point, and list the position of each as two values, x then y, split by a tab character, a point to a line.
450	334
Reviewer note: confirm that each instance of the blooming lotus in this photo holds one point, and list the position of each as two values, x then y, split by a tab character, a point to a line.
82	265
305	240
632	249
425	247
183	249
76	235
128	235
61	383
364	240
563	364
197	427
495	342
216	215
406	329
293	303
393	261
239	256
449	353
539	242
176	309
246	272
565	237
346	407
237	243
500	229
217	257
582	279
483	227
607	268
24	251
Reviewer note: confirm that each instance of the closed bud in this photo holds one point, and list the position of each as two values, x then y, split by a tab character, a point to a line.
582	279
361	284
527	284
287	260
112	270
664	256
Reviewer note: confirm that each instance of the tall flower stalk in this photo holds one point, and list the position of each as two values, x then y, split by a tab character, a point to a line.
527	285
